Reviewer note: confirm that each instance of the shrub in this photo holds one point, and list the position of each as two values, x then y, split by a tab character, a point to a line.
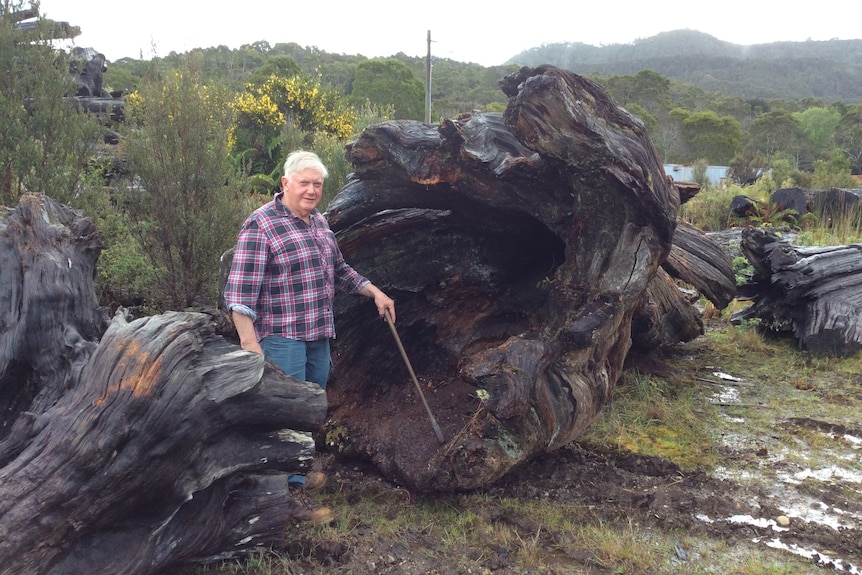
186	205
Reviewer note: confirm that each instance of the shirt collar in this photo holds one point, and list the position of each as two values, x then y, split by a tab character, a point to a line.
282	209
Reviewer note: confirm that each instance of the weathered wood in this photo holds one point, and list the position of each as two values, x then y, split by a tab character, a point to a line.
517	247
667	314
129	451
813	293
664	317
700	261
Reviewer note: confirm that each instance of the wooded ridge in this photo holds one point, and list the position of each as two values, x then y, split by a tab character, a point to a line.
831	70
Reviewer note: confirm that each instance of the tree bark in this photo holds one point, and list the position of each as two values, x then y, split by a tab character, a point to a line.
812	293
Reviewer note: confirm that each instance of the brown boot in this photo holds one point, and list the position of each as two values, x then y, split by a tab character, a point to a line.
317	516
314	482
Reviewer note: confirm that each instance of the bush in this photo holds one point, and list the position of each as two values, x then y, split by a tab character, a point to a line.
186	205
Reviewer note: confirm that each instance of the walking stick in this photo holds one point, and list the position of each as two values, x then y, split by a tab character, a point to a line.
436	427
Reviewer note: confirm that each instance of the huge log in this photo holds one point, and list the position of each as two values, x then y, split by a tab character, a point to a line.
517	247
126	447
811	293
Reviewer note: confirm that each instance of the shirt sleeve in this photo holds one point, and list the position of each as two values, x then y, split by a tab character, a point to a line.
247	269
346	278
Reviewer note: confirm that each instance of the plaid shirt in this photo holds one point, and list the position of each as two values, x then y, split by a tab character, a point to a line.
285	273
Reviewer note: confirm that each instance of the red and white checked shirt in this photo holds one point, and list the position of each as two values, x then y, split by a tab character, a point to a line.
285	273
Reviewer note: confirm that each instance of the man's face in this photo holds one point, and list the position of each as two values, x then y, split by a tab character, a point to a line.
303	191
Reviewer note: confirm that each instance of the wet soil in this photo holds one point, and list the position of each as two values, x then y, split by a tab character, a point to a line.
736	510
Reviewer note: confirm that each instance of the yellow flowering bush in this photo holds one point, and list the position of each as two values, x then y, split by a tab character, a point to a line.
266	109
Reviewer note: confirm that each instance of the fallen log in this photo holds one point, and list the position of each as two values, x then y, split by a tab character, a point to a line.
517	247
153	443
811	293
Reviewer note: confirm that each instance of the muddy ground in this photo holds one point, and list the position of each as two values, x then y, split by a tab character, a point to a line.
778	464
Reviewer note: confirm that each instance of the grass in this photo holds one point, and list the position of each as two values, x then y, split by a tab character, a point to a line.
654	416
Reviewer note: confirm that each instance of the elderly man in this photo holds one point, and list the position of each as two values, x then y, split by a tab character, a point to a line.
286	268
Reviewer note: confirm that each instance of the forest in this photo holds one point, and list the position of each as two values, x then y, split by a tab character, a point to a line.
237	112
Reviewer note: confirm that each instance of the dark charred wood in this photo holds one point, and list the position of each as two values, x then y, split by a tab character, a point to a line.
517	248
686	190
830	206
745	207
811	293
129	447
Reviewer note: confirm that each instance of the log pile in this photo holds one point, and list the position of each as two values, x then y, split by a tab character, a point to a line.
526	252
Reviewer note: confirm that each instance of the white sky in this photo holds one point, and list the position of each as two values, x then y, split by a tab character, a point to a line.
482	32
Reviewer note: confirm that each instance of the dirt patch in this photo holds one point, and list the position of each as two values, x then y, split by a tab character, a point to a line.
788	486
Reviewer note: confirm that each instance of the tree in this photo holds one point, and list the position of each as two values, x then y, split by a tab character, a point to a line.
280	65
849	137
389	81
819	126
45	143
775	131
833	173
187	207
716	138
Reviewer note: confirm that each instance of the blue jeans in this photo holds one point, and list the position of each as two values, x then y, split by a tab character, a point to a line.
304	360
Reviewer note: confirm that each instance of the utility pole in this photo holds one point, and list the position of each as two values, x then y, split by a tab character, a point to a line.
428	82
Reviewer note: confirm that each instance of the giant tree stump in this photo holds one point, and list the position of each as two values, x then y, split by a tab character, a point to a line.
154	443
517	248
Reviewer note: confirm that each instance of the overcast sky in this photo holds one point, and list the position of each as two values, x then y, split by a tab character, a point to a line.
461	30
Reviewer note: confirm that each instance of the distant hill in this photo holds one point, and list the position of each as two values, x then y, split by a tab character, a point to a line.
830	70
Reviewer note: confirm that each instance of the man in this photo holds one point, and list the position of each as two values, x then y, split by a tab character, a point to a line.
286	268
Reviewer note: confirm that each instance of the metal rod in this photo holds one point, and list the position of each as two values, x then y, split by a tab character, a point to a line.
436	427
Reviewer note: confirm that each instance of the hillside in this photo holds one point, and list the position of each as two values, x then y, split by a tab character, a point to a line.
830	70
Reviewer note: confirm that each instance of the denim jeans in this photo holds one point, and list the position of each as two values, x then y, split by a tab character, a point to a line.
304	360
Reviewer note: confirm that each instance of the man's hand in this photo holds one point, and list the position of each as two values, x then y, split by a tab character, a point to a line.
382	301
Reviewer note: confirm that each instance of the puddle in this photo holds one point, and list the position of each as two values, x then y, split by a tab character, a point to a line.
810	471
821	559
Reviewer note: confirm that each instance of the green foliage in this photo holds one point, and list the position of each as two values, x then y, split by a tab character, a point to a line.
774	132
782	170
281	65
388	81
792	70
186	205
833	173
272	116
709	210
712	136
44	142
699	173
742	269
819	125
331	152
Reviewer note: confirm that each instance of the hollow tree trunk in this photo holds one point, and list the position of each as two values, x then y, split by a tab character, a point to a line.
517	248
